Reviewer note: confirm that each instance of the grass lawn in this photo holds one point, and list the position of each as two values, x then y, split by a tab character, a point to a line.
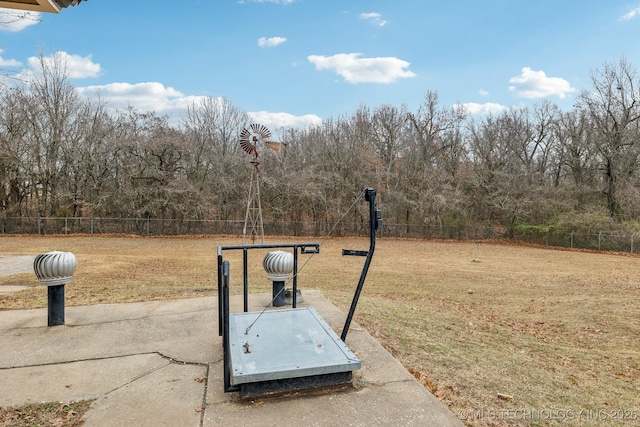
502	334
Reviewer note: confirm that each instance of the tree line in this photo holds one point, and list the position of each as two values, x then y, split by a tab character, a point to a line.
525	169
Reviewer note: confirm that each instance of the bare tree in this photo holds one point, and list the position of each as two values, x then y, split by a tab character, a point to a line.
50	105
574	155
215	123
153	168
542	143
437	140
93	158
14	154
613	106
430	166
212	127
501	188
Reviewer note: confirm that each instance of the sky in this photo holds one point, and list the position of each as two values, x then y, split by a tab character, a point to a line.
293	63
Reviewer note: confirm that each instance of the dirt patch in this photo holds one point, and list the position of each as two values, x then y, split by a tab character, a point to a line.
46	414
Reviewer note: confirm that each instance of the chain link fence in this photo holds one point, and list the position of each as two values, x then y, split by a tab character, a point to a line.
600	242
174	227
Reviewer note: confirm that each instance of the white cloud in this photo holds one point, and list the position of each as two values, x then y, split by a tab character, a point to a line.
77	66
373	18
536	84
147	96
483	92
8	62
155	97
279	120
630	15
13	20
271	41
363	70
473	108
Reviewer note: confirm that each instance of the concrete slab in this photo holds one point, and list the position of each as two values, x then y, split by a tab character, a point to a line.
12	288
16	264
169	396
160	363
182	330
74	381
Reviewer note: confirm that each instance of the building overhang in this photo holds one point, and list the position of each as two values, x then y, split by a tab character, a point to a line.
51	6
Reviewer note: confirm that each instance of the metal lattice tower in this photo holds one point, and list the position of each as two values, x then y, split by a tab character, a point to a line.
249	139
253	218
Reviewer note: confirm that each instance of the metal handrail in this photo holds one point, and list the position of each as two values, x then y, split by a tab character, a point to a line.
303	248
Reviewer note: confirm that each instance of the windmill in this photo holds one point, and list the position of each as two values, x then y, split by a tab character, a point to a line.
250	139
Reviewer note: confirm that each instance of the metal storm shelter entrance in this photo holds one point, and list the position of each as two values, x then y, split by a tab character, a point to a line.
287	350
279	351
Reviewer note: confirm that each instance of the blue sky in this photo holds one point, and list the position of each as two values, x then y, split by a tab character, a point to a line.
295	62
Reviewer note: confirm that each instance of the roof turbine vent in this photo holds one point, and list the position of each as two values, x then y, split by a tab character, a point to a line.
54	268
278	265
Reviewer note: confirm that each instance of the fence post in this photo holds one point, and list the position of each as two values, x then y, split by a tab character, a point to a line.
599	239
571	240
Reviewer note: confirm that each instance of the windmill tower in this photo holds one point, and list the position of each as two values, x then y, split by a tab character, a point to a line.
250	139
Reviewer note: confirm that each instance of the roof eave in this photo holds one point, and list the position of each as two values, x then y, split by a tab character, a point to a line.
38	6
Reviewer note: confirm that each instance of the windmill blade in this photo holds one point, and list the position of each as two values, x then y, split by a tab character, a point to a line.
246	142
247	146
245	134
262	131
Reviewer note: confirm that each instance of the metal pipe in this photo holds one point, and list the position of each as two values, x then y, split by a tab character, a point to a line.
277	293
370	196
245	279
55	304
220	268
225	336
294	298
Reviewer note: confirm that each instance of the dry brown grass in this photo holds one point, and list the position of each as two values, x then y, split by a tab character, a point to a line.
46	414
556	330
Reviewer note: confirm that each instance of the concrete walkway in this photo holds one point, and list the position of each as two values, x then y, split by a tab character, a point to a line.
160	364
16	264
